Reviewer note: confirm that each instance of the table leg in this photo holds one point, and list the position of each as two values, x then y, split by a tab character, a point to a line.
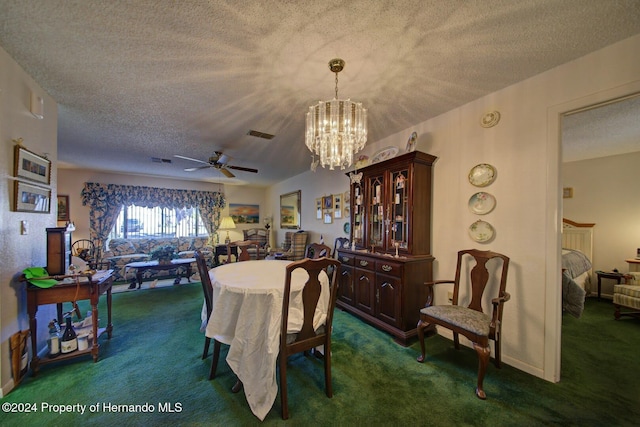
599	286
139	277
109	324
32	309
95	348
189	273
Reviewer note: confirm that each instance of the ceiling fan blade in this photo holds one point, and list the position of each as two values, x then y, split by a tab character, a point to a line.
227	173
189	158
240	168
222	159
197	168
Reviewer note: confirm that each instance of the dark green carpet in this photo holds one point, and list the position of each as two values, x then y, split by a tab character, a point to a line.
154	358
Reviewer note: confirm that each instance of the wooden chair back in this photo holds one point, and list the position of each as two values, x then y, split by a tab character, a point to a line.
308	338
243	252
339	244
317	250
207	289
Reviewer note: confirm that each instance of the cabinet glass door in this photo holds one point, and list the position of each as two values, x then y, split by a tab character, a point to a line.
399	234
357	209
375	213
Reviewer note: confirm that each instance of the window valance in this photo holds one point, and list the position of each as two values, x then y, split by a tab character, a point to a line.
101	195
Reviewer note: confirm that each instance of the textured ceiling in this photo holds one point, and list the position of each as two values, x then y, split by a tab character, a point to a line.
147	78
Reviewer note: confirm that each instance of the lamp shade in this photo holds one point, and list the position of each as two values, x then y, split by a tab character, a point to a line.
227	223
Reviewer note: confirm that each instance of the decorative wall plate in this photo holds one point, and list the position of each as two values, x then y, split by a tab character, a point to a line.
384	154
347	227
482	175
411	143
481	231
482	203
490	119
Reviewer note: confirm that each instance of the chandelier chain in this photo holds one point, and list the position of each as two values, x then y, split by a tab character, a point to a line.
336	85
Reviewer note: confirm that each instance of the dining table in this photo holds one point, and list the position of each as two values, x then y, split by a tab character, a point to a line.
247	314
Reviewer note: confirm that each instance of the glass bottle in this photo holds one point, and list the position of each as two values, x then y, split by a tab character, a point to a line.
54	338
69	341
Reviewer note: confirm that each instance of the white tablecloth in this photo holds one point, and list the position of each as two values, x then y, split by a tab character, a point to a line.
246	314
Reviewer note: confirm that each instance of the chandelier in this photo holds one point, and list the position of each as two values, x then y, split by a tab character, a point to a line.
336	129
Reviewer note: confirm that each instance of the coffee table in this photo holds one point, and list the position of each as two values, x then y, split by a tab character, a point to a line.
142	266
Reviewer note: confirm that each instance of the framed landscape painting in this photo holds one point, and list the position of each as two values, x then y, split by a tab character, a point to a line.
244	214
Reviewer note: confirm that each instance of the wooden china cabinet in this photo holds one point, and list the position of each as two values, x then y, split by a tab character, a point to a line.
382	278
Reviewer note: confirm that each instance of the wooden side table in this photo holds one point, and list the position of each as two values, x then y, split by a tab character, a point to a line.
608	275
91	289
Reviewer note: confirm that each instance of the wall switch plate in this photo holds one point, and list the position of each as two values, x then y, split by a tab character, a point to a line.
24	227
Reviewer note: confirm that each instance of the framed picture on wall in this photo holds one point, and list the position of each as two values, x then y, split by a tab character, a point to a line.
337	206
328	219
63	208
31	198
31	166
319	208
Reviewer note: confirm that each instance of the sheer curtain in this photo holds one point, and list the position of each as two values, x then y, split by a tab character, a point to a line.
106	201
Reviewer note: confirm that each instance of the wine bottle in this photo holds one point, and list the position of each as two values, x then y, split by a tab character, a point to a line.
69	341
54	339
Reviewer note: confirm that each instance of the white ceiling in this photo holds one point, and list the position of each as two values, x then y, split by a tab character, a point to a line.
147	78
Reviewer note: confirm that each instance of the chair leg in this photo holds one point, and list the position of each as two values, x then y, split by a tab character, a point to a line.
284	406
327	371
456	341
483	361
214	361
205	352
420	329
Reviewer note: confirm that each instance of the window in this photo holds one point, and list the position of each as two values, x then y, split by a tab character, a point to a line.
138	221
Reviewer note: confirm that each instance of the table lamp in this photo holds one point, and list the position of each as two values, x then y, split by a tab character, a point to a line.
227	224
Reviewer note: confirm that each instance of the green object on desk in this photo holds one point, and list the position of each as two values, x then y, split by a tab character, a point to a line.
32	274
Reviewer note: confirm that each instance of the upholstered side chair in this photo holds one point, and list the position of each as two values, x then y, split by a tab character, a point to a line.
470	321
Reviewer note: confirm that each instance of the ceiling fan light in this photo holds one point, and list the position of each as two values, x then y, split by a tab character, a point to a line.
336	130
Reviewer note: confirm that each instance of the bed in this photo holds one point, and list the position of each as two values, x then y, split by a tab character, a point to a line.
577	270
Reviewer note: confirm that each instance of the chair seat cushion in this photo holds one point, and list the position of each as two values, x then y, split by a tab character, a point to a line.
627	295
462	317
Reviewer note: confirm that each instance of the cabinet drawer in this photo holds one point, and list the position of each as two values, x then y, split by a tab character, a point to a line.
366	263
346	259
388	267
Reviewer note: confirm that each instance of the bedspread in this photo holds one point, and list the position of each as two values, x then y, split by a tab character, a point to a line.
575	262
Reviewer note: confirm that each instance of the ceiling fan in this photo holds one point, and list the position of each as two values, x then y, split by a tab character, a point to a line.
218	161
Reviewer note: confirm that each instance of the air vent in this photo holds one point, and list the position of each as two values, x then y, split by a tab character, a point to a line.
159	160
260	134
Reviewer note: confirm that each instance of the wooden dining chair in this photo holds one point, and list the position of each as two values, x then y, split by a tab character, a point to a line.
340	243
243	250
470	321
307	338
203	271
317	250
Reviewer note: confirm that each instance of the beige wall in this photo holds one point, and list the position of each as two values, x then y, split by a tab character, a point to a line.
524	147
21	251
605	193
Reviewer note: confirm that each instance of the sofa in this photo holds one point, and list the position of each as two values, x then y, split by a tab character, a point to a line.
121	252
